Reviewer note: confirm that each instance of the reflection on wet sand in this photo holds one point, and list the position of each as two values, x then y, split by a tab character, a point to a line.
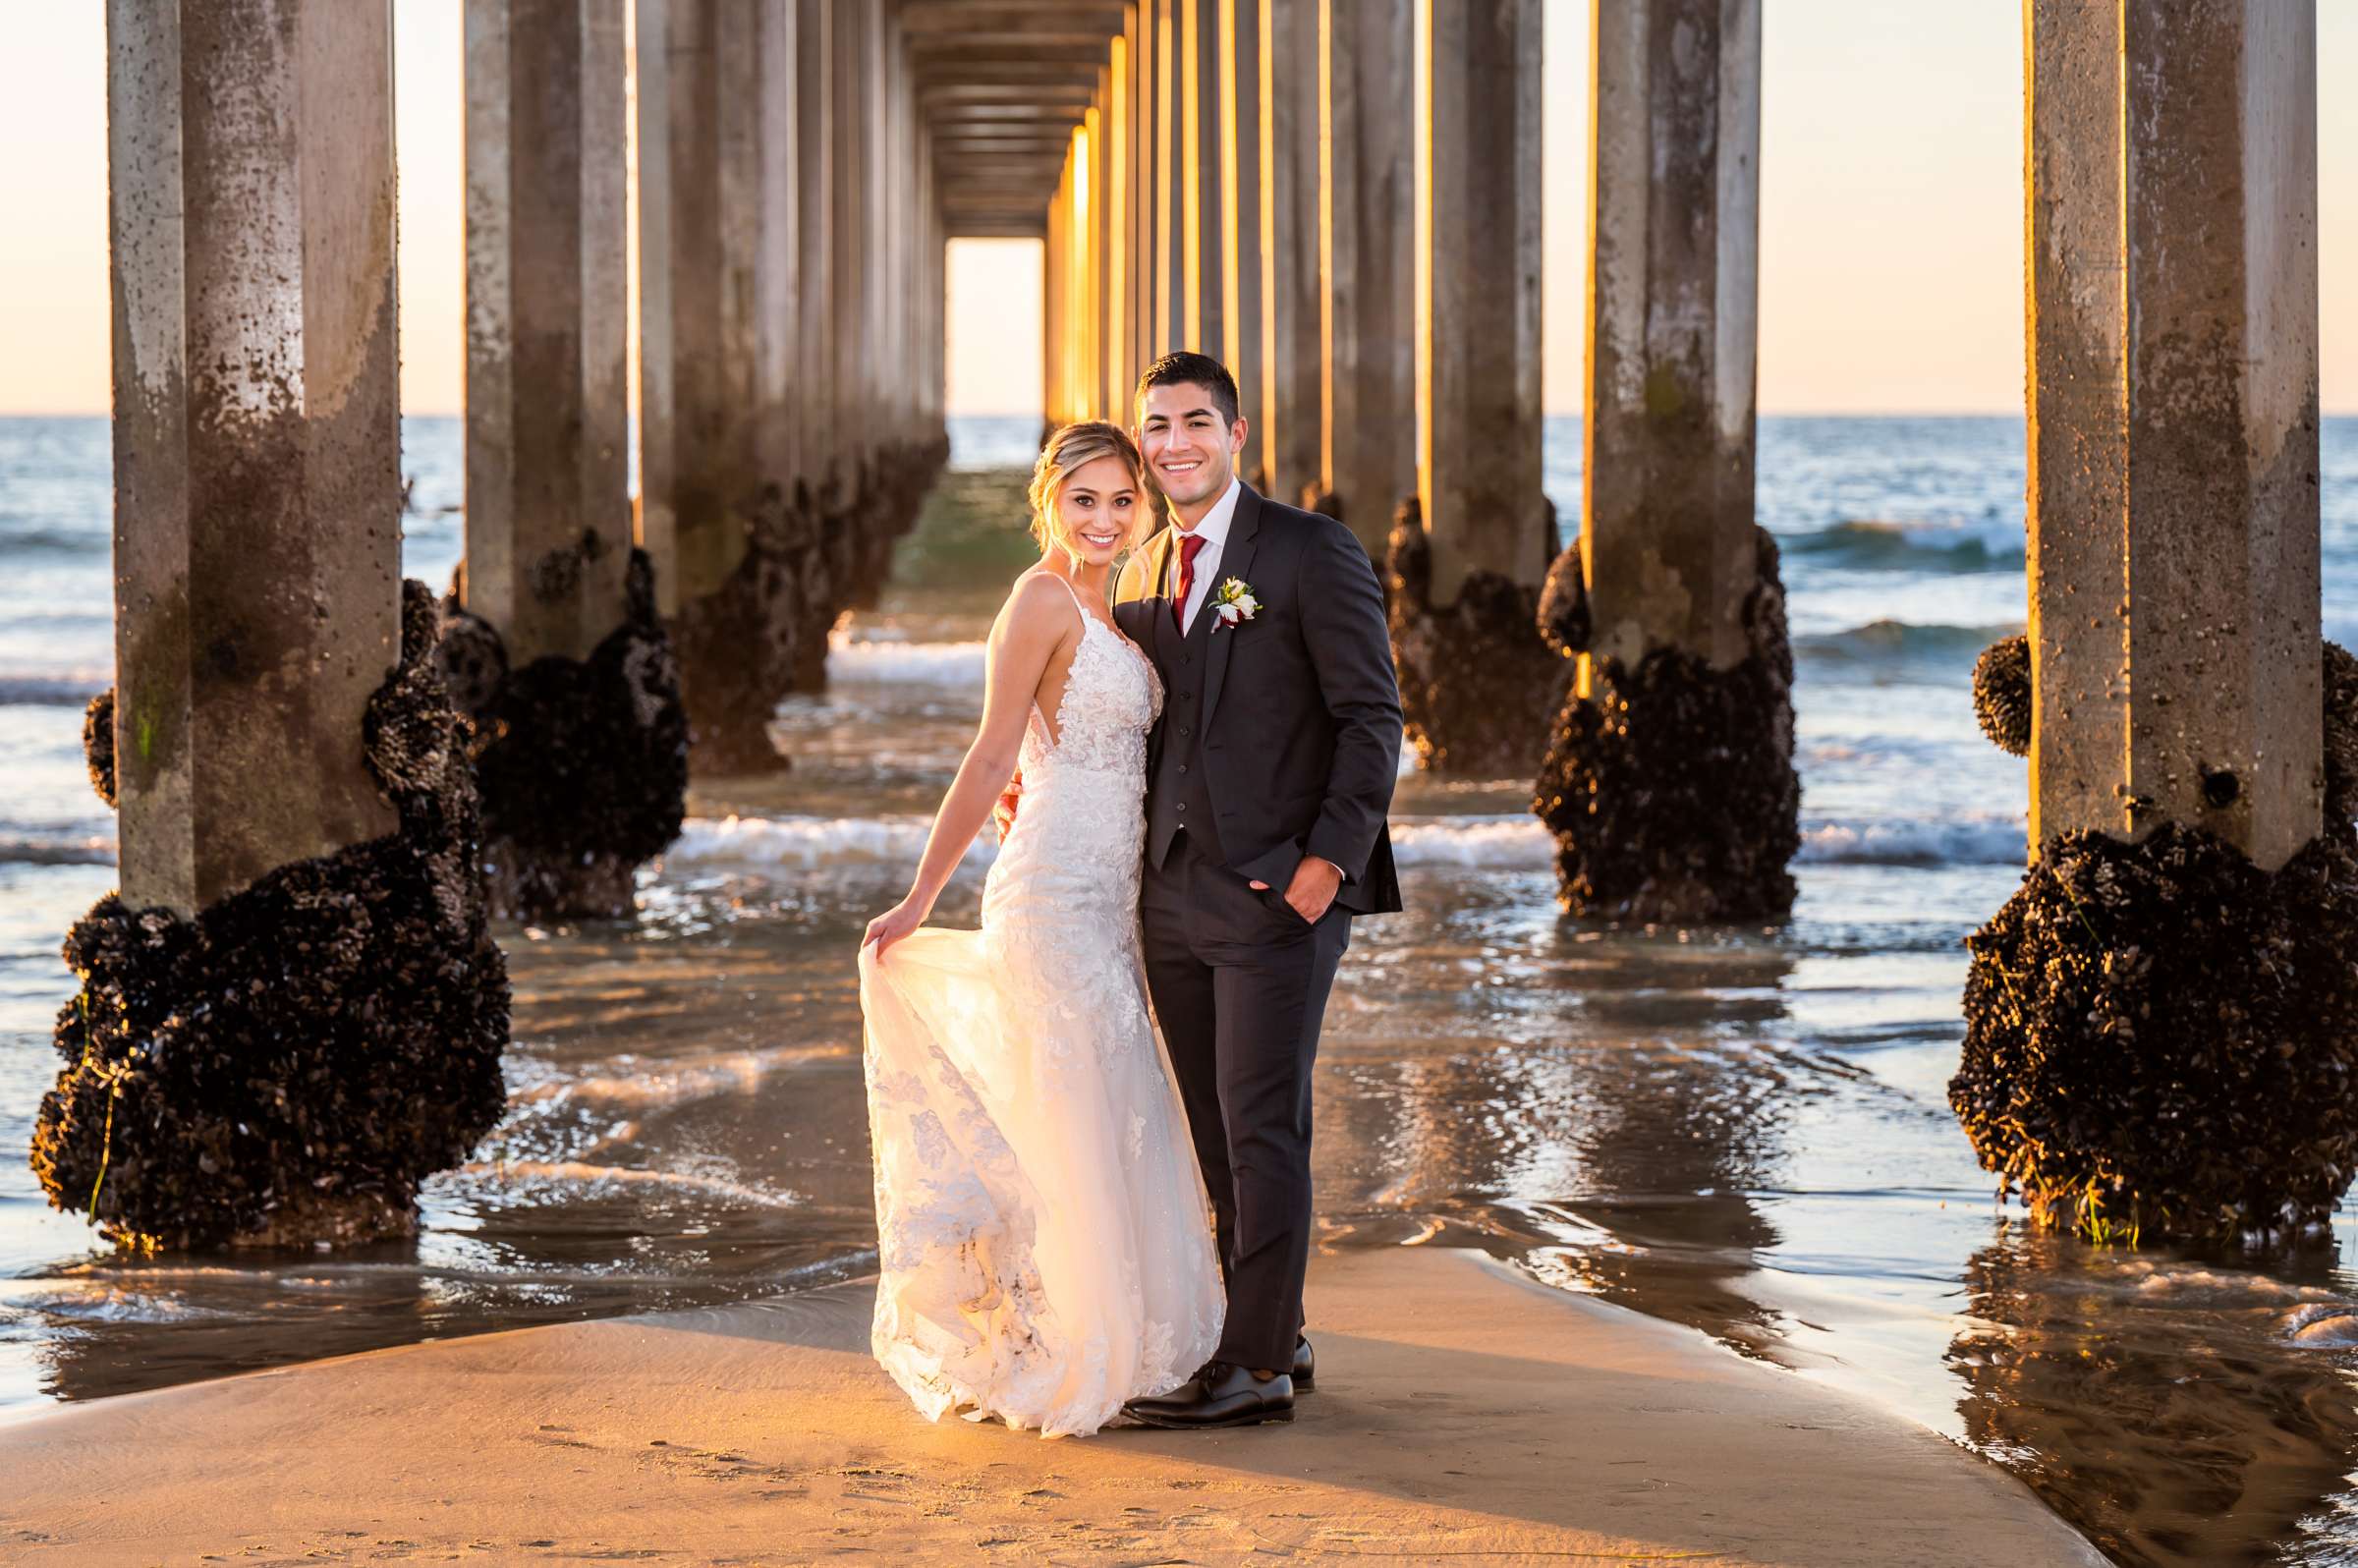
1616	1105
2124	1386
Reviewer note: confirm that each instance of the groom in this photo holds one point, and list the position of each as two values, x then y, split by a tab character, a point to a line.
1268	780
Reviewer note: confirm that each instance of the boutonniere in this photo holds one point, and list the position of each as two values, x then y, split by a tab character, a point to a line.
1233	601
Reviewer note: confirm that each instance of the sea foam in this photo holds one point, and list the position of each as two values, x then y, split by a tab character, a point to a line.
1502	843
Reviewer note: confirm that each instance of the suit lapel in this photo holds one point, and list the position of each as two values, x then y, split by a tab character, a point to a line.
1236	560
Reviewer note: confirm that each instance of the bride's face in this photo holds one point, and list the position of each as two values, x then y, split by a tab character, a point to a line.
1096	511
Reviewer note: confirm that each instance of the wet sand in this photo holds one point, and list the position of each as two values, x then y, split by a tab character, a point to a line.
1463	1412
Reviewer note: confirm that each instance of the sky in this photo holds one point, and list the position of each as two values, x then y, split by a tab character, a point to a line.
1891	213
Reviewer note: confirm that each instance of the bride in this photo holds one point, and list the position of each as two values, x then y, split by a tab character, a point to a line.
1042	1228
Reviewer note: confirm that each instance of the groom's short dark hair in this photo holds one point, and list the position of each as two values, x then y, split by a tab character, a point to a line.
1186	368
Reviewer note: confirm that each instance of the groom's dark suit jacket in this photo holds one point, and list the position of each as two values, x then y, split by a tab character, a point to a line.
1291	720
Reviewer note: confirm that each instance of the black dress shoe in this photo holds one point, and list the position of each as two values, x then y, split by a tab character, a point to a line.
1306	1367
1223	1396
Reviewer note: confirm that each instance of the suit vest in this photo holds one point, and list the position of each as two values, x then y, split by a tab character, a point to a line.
1176	795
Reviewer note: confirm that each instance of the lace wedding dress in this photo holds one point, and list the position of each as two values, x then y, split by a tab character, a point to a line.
1042	1229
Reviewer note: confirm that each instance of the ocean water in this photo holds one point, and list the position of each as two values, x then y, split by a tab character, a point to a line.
1742	1130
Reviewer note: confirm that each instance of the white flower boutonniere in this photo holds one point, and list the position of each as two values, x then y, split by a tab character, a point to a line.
1233	601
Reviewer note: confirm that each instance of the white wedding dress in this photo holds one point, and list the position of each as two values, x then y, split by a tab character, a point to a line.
1042	1231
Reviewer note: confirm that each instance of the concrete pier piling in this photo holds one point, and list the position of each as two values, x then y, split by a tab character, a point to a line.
1289	397
1366	98
1203	308
581	740
783	446
1241	247
2161	1023
1465	561
734	610
1668	782
291	1013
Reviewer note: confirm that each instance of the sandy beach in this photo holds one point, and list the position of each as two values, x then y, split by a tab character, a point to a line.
1463	1412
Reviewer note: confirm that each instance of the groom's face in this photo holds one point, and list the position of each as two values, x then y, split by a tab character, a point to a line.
1188	444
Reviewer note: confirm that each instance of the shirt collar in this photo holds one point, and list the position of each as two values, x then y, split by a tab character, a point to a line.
1214	529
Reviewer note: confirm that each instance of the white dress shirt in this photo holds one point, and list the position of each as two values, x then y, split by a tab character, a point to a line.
1213	532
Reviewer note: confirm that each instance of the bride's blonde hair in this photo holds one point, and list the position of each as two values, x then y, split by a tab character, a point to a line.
1074	446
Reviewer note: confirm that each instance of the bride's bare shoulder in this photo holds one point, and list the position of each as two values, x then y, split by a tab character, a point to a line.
1038	605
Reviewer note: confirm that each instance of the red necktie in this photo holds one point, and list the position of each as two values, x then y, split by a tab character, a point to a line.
1189	545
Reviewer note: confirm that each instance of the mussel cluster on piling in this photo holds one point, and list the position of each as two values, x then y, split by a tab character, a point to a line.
1669	787
2163	1037
811	553
582	764
1477	682
2001	694
292	1062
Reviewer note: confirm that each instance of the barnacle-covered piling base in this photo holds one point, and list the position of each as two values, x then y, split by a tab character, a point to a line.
897	482
582	764
1477	682
1669	788
2161	1037
738	645
287	1067
856	524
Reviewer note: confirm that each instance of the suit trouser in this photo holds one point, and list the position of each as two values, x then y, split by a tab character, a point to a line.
1240	983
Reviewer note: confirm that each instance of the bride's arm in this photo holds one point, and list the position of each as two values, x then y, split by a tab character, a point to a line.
1037	617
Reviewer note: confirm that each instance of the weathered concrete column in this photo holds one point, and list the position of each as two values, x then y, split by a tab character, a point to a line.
1054	269
774	122
1669	783
547	411
887	253
719	243
848	309
1103	155
2131	1059
579	755
1367	253
258	514
903	462
292	1013
840	490
1170	179
1240	244
1477	683
1203	309
696	355
1117	93
814	228
1144	204
933	302
872	495
1667	529
1088	257
1290	397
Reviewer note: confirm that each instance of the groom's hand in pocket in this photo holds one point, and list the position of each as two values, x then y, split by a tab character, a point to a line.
1310	892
